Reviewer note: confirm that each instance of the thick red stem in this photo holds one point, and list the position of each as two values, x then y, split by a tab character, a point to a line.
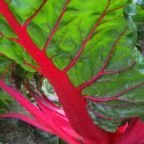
133	134
43	120
72	102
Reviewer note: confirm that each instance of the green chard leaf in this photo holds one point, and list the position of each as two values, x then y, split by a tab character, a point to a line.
92	38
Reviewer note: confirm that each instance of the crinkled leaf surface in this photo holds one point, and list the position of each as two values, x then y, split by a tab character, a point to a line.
10	49
139	21
111	46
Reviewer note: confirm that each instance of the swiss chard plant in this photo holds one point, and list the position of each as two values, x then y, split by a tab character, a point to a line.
74	67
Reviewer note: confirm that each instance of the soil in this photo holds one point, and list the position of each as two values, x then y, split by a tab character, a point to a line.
18	132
